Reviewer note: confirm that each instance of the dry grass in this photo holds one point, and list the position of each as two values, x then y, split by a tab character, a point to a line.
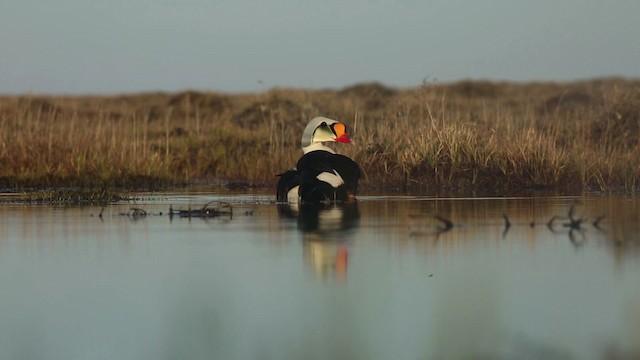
466	135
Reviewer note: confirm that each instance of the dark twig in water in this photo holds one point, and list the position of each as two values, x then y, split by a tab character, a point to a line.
138	213
507	225
448	224
552	220
573	224
555	225
577	243
596	222
427	220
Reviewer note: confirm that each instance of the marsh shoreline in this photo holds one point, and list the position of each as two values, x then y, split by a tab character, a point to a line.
468	136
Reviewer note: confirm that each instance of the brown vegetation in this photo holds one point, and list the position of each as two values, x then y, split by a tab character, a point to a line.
465	135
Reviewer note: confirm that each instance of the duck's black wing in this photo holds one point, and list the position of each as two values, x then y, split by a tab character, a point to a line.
325	176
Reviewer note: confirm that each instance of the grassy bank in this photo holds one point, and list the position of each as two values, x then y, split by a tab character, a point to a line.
466	135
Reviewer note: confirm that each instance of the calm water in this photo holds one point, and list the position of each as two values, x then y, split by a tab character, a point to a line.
383	280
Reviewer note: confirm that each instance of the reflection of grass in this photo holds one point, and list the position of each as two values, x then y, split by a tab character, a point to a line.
471	135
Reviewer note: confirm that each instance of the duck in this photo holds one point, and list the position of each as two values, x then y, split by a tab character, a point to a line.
321	174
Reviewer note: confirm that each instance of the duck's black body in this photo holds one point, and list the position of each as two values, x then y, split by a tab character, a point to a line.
321	175
327	177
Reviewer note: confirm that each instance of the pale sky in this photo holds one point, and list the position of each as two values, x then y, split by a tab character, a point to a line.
115	46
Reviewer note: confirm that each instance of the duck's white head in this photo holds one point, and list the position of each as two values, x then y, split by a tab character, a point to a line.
322	129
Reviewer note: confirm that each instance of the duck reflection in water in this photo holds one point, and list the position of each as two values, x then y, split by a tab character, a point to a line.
326	232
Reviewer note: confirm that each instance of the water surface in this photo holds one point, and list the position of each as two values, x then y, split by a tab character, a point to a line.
385	279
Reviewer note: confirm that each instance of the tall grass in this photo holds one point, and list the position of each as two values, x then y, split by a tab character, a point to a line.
466	135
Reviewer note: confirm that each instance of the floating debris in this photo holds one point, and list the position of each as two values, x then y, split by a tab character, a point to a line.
575	225
448	224
138	213
212	209
507	225
596	222
206	211
135	213
440	223
552	221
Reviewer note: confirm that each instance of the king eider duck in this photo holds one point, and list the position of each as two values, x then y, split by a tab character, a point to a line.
321	175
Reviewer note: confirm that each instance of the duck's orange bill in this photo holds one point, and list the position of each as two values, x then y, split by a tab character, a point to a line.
340	130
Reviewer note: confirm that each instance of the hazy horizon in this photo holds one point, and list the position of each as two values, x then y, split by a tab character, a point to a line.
75	46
